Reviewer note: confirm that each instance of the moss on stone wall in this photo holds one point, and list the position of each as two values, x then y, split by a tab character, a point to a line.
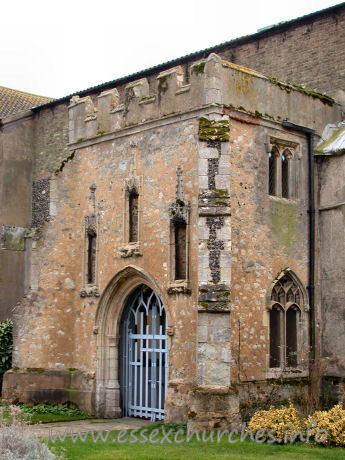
288	87
198	68
213	130
283	217
64	161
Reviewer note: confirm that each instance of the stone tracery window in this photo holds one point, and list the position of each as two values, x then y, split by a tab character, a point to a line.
285	323
282	168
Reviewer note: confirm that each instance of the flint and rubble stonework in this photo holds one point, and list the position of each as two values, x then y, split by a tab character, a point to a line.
215	130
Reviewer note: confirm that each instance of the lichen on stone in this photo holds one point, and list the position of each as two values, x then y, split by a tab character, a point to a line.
214	130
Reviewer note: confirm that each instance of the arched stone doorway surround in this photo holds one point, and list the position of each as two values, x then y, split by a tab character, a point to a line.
108	329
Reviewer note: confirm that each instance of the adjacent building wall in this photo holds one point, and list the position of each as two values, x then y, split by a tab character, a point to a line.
308	52
16	143
332	273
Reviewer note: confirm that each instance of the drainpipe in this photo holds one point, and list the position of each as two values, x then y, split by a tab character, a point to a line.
310	135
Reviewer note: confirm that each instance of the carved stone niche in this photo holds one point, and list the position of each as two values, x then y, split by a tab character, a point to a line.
90	226
131	248
179	216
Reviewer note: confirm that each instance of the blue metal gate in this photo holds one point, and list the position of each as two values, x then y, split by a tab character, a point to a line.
144	367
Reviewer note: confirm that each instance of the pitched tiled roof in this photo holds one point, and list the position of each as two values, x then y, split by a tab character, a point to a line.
202	54
13	101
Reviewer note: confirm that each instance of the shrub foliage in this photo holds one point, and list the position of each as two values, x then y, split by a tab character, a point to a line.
285	423
333	421
281	420
6	345
17	441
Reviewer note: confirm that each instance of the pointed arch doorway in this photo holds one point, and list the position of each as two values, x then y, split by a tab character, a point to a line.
143	355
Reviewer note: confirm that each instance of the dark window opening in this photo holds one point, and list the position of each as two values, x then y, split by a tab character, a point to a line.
285	325
180	251
133	217
272	173
275	337
291	337
91	258
285	176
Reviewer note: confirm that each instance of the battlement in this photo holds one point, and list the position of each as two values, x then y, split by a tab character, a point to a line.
171	95
211	81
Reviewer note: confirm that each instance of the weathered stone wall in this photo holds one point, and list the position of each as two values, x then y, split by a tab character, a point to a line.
213	134
332	255
269	234
50	140
65	337
40	202
16	142
37	386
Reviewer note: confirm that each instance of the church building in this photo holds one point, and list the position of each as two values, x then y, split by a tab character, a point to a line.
179	241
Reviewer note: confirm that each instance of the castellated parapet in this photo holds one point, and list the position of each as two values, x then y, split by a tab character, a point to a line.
170	96
212	81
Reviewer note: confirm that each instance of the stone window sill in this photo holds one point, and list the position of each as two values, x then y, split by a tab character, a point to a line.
130	250
292	200
179	287
287	373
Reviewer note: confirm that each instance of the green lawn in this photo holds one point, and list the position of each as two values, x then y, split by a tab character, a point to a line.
192	450
47	418
45	413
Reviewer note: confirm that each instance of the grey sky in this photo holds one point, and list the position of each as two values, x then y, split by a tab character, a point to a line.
57	48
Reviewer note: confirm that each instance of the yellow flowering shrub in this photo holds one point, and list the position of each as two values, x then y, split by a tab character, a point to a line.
333	421
282	421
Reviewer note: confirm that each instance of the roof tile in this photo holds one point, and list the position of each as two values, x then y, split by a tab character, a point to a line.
13	101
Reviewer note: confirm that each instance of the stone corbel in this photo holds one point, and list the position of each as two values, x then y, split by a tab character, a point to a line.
89	291
131	250
170	330
179	287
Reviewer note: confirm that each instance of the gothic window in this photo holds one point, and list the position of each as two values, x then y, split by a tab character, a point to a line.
285	323
282	172
285	176
133	216
275	336
272	174
291	336
91	256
